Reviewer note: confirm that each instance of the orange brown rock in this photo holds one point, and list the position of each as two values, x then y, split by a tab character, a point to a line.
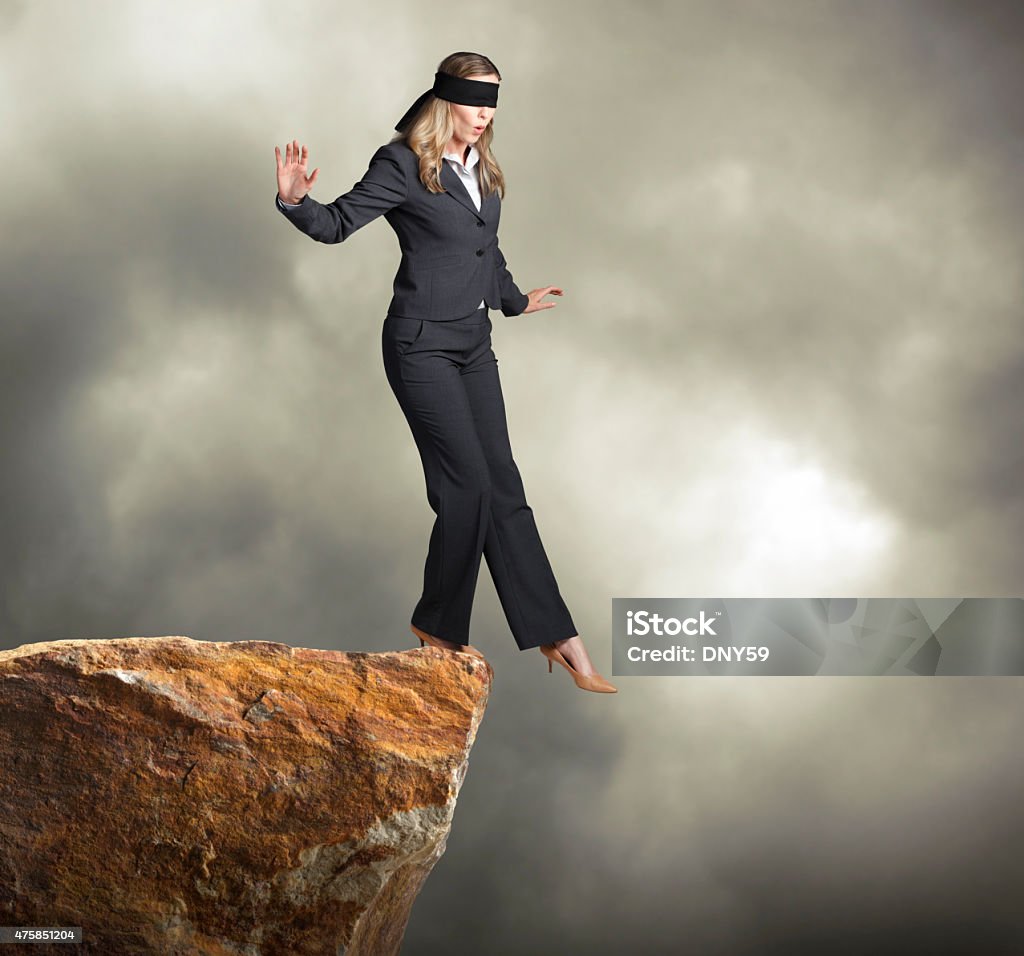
179	796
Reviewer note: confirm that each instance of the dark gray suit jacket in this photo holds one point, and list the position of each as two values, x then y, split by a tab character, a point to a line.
450	255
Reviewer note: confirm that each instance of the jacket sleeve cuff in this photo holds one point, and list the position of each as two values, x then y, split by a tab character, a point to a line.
520	306
282	205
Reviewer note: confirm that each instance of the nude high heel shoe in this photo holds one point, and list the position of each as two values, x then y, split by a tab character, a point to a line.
426	638
594	682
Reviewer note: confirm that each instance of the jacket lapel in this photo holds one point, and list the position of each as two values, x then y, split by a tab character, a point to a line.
457	190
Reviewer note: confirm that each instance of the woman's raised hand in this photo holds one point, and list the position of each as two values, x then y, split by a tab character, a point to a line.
535	295
292	181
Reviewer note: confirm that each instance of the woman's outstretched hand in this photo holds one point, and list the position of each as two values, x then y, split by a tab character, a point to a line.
292	182
535	295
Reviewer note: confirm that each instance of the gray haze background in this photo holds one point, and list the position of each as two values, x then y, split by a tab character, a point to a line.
789	362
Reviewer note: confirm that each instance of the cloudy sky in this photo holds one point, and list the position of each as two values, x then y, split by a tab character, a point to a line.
789	362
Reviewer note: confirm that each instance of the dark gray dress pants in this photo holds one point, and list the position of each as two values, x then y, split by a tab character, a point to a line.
445	377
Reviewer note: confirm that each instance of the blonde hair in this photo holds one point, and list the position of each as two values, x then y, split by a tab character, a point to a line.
431	130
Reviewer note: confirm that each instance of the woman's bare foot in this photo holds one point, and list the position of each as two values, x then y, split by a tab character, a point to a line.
572	649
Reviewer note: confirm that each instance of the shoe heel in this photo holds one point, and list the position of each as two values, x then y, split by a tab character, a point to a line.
428	640
593	682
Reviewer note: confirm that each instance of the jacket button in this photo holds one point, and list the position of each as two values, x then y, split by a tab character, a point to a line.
480	224
479	252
